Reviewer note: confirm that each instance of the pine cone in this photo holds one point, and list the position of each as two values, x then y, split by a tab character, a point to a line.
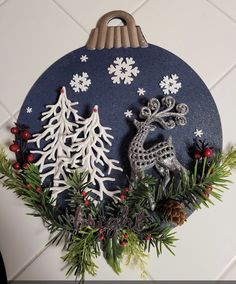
174	212
206	192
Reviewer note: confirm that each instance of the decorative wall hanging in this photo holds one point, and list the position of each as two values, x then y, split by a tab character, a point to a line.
116	144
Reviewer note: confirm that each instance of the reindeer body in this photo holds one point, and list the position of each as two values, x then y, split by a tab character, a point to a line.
162	155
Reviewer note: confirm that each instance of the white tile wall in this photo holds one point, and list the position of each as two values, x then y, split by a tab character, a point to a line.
34	34
227	7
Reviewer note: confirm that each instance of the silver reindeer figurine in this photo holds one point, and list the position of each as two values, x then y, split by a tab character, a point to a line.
162	155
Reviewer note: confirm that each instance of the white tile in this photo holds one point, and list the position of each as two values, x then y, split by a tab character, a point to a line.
4	115
34	34
5	134
87	13
227	6
39	269
2	1
230	272
224	95
193	30
22	236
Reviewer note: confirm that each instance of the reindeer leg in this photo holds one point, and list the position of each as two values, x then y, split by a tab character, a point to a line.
179	167
166	179
165	173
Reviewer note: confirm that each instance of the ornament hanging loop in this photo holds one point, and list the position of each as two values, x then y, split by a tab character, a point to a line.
104	36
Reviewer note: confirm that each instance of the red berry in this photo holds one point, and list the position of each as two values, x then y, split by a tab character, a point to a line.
126	190
122	197
38	189
86	202
28	186
25	135
15	130
30	158
83	193
207	153
25	166
101	237
148	238
125	236
95	109
14	148
16	166
123	243
197	155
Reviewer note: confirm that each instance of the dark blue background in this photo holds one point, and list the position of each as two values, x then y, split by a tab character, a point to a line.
114	99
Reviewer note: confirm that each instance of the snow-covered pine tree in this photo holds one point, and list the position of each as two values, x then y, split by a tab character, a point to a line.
56	155
88	143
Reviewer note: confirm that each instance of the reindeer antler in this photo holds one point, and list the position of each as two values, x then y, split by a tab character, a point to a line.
153	105
151	112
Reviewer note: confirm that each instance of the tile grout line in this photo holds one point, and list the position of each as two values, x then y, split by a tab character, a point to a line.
27	264
70	16
226	268
11	116
139	7
3	3
222	11
222	77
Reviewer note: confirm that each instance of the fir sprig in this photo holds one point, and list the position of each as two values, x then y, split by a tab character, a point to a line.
82	250
135	254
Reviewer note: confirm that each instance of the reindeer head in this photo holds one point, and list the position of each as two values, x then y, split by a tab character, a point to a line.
167	117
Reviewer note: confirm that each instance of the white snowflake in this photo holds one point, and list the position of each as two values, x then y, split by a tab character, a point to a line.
29	109
198	132
128	113
169	84
80	82
141	91
84	58
123	70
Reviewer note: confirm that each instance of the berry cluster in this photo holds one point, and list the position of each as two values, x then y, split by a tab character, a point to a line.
23	156
124	240
37	189
202	150
124	193
86	201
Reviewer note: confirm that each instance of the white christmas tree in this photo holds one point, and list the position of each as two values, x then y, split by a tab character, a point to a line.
55	157
88	143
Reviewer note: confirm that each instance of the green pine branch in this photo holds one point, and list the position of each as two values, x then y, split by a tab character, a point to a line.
190	189
78	182
41	203
135	253
82	244
81	252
